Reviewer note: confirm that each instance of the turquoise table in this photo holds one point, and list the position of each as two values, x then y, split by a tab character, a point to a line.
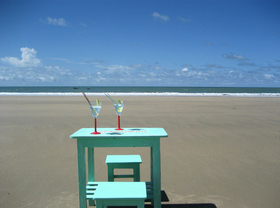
129	137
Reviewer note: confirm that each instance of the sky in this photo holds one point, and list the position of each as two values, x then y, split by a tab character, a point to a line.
221	43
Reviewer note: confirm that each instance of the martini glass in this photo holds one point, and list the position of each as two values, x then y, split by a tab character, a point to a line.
119	109
95	109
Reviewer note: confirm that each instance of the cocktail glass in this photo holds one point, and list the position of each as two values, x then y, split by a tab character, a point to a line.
95	109
119	109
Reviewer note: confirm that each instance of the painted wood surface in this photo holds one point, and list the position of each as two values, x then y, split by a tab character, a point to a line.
129	137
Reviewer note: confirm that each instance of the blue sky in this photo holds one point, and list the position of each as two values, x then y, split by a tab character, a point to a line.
140	43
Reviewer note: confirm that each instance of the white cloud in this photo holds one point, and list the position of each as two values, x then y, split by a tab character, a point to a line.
137	66
37	74
214	66
119	69
183	19
162	17
156	68
28	58
29	70
235	57
54	21
264	68
83	24
246	64
275	66
269	76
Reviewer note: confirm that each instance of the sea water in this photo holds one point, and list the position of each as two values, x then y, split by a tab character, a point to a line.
141	91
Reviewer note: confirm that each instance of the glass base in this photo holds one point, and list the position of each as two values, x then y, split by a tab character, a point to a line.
119	129
95	132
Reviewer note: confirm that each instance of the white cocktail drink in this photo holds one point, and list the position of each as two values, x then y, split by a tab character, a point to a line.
95	109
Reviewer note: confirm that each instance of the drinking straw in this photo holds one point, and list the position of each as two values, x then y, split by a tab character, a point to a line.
110	98
86	98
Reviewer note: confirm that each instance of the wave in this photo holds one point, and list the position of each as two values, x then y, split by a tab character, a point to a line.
155	94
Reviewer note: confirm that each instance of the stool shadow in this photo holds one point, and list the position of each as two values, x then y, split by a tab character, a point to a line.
164	197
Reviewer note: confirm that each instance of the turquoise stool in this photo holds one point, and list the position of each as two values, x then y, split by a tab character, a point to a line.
123	162
117	193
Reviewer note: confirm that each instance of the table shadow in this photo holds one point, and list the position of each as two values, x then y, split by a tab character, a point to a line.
198	205
164	198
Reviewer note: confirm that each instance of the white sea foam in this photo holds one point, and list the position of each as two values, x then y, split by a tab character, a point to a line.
155	94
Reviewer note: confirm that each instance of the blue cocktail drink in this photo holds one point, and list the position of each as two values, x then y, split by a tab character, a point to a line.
119	109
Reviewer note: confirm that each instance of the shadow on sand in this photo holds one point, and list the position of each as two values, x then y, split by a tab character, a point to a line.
164	198
204	205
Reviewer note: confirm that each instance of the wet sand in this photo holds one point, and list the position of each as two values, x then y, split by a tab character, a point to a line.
220	150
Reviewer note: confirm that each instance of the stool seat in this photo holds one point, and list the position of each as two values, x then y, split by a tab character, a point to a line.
123	162
123	159
118	193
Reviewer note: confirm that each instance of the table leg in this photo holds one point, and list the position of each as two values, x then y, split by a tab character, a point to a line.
82	174
91	170
156	173
152	174
90	164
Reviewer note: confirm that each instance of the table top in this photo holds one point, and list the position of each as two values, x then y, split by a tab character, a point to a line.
126	133
120	190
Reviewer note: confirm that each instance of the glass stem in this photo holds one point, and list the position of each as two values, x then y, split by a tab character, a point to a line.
95	123
119	121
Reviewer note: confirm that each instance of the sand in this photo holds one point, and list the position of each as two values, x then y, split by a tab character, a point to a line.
220	150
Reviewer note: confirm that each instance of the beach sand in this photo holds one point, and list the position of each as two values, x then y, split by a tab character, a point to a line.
220	150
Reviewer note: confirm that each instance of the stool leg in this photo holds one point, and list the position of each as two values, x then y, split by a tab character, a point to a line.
110	172
98	204
91	202
136	173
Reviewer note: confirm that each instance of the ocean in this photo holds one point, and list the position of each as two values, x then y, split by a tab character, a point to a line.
141	91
